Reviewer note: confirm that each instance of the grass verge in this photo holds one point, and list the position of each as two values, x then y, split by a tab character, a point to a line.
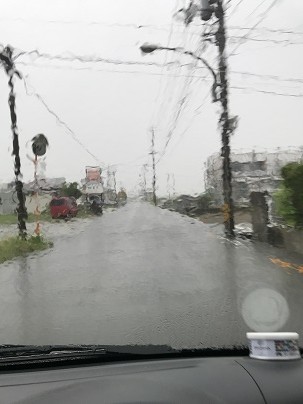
13	219
44	217
15	247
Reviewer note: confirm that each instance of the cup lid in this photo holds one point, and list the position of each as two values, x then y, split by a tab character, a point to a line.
273	335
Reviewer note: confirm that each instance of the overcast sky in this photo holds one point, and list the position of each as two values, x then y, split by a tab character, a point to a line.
110	107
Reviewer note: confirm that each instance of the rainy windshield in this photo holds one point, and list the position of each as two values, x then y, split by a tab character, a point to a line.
173	131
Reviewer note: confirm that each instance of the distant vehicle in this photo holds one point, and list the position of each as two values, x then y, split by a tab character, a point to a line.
93	189
63	207
95	204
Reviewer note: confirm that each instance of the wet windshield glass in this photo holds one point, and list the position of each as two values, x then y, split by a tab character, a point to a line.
173	130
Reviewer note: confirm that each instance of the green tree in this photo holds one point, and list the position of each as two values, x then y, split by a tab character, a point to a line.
71	189
290	197
284	206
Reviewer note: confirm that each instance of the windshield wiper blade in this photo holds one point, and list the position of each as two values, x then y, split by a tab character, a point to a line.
30	356
20	353
20	350
139	350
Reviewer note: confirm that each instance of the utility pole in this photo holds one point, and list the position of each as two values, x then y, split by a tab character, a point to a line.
143	182
210	7
225	121
6	59
154	166
173	185
115	184
111	183
168	185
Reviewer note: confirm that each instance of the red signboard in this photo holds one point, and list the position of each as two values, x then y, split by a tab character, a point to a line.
93	173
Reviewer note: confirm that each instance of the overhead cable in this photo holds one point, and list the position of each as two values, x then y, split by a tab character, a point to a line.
32	92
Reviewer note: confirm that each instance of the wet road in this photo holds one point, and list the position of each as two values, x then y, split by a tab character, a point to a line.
142	275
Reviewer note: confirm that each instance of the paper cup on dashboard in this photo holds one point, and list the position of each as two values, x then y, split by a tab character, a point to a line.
273	345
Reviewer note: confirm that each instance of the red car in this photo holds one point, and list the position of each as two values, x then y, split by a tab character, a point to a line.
63	207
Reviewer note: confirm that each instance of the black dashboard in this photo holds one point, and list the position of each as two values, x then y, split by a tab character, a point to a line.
189	380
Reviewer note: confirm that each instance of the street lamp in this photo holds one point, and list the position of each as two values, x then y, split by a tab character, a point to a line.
226	122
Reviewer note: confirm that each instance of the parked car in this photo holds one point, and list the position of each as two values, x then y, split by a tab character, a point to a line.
63	207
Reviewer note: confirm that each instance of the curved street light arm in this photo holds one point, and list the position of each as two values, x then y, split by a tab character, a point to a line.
201	59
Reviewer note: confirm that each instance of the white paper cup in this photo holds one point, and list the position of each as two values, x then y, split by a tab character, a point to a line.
273	345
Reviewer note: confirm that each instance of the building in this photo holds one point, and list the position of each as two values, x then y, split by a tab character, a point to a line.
46	186
251	171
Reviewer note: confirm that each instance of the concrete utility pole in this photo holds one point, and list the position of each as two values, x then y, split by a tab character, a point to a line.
143	181
225	122
170	185
111	182
6	59
154	166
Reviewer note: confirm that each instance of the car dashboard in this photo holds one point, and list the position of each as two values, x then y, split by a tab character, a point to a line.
188	380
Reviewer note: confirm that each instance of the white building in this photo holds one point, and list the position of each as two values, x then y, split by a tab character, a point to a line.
251	171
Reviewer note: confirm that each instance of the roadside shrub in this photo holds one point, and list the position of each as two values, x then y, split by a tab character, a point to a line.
15	246
289	199
70	190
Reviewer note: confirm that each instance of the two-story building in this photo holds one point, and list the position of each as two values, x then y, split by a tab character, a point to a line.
251	171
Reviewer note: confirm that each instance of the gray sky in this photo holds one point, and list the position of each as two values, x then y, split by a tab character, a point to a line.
110	107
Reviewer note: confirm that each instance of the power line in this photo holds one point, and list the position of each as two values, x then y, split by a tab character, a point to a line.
235	87
255	9
275	41
84	58
197	113
58	119
263	16
265	29
149	73
180	109
82	22
235	8
181	105
238	72
268	76
165	61
298	95
148	26
175	86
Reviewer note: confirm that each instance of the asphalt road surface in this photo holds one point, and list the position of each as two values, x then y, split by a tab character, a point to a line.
143	275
